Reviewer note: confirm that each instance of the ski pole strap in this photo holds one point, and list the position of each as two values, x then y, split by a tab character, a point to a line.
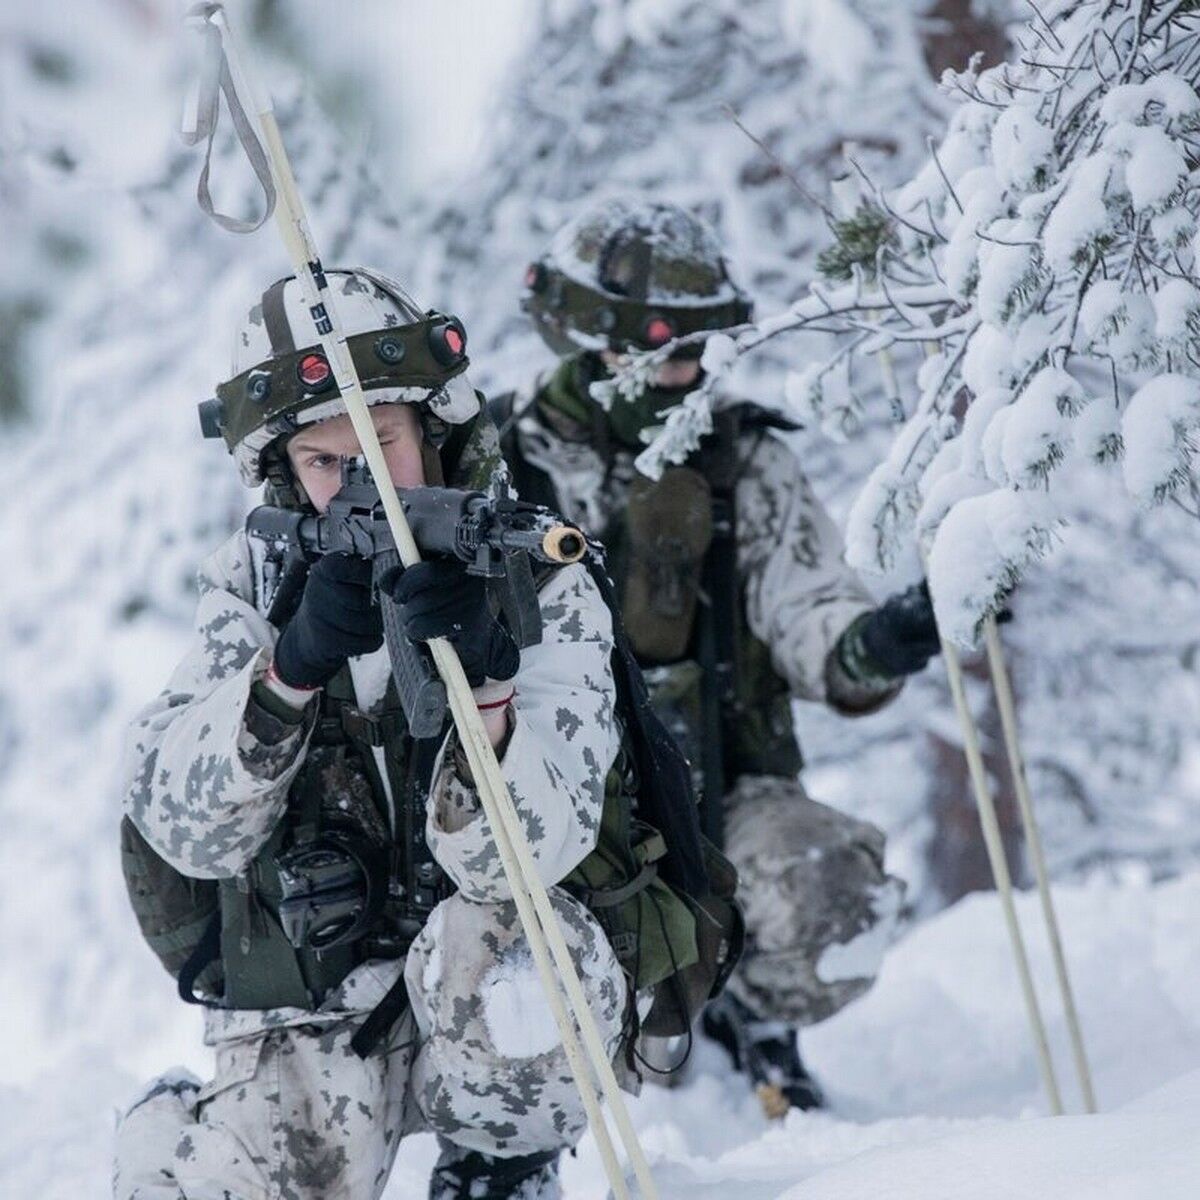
215	79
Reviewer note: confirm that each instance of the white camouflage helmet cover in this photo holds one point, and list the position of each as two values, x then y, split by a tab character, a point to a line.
631	272
367	301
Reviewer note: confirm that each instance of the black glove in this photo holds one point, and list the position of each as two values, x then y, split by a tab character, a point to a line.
336	619
900	636
439	599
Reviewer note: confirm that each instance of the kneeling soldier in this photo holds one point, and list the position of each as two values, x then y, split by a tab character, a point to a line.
325	884
734	596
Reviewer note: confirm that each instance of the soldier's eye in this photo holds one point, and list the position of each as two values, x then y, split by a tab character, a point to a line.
322	462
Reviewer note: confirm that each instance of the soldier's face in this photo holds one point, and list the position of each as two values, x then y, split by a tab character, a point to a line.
316	453
674	373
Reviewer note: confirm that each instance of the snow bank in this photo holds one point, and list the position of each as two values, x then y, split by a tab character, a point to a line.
934	1088
1123	1156
932	1071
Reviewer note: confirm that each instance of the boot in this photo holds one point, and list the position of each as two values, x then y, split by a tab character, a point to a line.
767	1051
471	1175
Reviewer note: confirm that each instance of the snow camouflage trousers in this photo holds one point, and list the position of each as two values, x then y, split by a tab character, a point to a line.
819	908
293	1113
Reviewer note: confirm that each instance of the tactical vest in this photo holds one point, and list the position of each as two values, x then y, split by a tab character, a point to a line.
672	554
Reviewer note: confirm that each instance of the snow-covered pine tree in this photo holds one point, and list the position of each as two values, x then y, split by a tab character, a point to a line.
1044	259
630	96
1058	217
1032	287
648	97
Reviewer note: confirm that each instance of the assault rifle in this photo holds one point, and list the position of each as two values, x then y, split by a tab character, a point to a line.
496	538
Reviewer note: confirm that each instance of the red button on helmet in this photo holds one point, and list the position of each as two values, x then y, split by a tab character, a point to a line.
314	372
659	331
448	341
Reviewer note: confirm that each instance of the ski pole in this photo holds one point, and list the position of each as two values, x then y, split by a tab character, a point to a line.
994	844
538	919
1002	686
990	825
1016	762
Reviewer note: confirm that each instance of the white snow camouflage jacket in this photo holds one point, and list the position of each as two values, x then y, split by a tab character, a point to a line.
207	794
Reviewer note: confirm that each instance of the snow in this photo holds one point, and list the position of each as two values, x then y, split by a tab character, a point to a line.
930	1072
1037	431
1097	433
846	41
678	436
1165	97
862	955
1009	272
1118	323
1081	216
1022	148
988	361
515	1009
1154	164
979	552
1177	311
1124	1156
983	202
112	501
1160	429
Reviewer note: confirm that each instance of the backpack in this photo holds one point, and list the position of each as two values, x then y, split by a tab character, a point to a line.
173	911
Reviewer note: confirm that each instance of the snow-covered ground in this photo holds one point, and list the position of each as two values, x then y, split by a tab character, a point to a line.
931	1077
932	1081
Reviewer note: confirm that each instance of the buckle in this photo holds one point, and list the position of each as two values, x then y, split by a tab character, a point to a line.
375	731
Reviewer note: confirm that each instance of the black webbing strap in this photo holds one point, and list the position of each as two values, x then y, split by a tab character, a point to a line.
206	950
665	796
381	1018
275	319
719	624
416	855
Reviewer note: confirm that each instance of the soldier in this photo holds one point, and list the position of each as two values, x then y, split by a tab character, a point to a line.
734	594
362	965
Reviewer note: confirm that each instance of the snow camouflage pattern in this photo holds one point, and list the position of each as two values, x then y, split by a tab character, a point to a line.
490	1073
292	1113
799	599
367	301
811	879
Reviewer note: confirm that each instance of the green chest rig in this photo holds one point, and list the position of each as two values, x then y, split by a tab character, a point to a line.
346	875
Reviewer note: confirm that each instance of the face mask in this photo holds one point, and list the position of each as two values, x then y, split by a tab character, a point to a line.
628	416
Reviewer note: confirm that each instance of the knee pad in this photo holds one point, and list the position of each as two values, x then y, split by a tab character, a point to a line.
491	1073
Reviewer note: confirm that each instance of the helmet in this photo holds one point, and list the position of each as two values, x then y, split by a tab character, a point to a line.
631	274
282	380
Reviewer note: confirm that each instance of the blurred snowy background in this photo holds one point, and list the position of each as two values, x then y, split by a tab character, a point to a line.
445	143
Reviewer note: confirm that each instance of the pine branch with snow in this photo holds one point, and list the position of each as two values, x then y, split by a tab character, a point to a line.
1044	259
